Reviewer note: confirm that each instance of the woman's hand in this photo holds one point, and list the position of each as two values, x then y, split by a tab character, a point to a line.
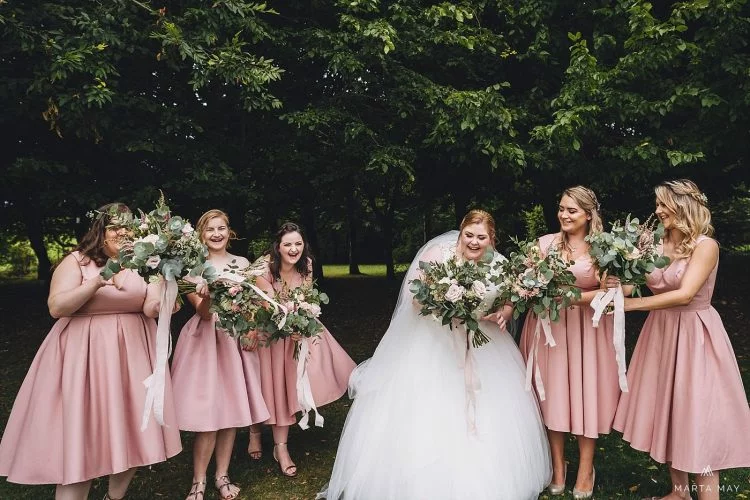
496	318
201	289
611	282
249	341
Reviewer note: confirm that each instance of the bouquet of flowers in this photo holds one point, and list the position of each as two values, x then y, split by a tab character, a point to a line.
542	284
159	244
539	283
454	291
629	250
302	306
235	300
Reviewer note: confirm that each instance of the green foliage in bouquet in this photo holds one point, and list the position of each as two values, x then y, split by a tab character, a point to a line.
538	283
303	309
629	251
159	244
453	291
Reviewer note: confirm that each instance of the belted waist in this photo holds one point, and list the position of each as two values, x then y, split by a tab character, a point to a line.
690	308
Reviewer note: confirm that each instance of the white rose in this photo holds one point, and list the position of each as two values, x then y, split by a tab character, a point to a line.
187	228
445	280
478	288
153	261
454	293
151	238
634	254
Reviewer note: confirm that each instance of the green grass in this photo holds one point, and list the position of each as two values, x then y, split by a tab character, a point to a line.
366	270
622	473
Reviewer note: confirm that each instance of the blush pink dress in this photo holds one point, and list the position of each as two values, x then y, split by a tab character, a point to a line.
328	368
215	386
580	373
78	413
686	404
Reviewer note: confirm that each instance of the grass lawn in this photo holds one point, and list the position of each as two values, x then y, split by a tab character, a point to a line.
622	473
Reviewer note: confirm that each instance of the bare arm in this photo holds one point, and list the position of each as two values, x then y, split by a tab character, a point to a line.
67	292
152	303
702	262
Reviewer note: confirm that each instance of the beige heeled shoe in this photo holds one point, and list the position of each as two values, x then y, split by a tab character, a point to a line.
288	472
558	489
581	495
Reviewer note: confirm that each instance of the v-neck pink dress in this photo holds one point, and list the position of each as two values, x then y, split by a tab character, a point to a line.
686	404
328	368
580	372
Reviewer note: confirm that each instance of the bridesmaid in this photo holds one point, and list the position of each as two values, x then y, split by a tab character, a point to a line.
78	413
328	366
208	373
687	406
579	374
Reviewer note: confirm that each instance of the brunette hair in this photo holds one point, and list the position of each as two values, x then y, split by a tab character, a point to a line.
91	245
303	265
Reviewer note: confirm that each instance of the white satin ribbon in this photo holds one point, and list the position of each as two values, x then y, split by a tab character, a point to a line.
156	382
304	391
238	278
532	364
599	304
472	383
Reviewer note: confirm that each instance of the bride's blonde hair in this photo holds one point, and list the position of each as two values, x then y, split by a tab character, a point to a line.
691	213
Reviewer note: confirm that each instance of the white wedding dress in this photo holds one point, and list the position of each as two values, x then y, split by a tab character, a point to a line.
414	431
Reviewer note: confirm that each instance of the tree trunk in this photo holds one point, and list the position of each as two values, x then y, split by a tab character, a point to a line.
427	224
36	237
460	204
308	221
351	218
390	271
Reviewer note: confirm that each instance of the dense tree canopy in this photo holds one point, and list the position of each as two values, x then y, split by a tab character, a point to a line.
374	123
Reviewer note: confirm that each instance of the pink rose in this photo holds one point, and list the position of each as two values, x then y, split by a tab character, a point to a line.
235	308
187	229
454	293
235	290
153	261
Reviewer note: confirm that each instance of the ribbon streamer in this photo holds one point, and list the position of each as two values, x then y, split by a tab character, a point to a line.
532	364
467	361
156	381
599	304
304	391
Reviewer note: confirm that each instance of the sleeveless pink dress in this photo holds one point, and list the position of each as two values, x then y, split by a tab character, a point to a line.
215	386
328	368
580	373
78	413
686	404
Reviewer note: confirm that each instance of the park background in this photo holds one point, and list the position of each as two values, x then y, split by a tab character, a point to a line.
376	125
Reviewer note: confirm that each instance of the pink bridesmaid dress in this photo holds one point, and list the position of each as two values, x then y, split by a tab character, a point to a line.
78	413
215	386
580	372
686	404
328	368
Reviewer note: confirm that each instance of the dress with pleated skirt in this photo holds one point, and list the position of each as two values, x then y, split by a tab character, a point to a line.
78	413
579	374
687	404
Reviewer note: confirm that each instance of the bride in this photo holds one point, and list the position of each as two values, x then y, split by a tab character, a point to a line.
433	419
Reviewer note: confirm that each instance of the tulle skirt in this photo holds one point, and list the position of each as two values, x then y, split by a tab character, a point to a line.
412	432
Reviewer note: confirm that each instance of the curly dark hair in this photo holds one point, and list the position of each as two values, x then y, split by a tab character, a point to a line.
91	245
303	265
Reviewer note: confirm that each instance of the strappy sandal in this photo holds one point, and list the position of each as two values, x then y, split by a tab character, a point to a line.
284	471
222	482
193	495
255	454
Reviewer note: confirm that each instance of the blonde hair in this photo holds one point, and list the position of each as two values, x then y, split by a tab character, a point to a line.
478	216
691	213
586	199
200	226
